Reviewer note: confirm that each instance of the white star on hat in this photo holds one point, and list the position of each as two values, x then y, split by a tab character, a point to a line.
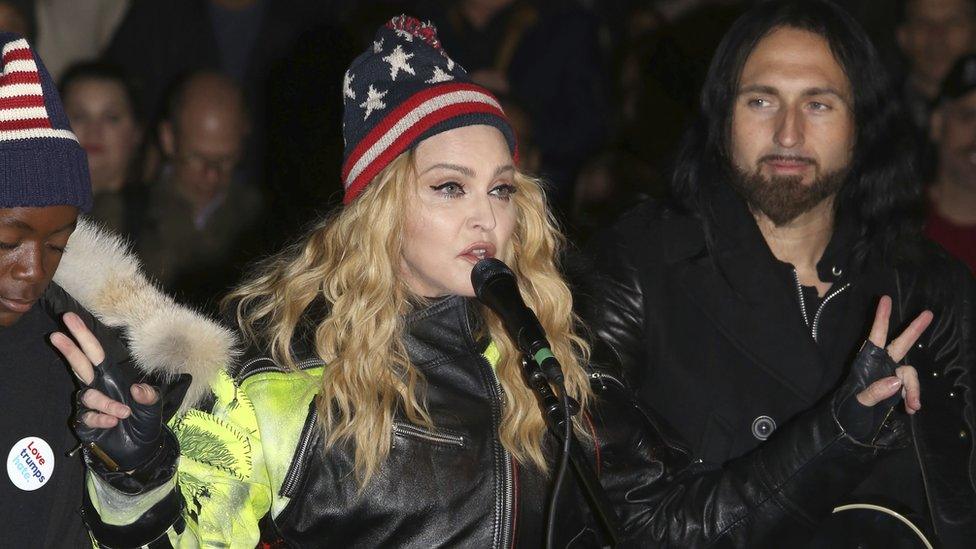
378	46
373	101
347	86
439	76
398	62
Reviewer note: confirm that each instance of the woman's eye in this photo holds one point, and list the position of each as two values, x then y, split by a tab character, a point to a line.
451	189
818	106
504	192
7	245
758	102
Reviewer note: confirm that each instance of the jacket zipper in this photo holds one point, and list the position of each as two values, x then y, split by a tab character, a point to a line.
245	369
273	366
297	469
814	329
409	430
503	504
816	317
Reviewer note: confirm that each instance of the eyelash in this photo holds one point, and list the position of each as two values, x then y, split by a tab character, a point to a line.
9	246
509	189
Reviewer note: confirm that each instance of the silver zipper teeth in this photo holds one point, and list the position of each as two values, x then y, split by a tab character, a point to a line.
299	458
816	317
414	431
799	295
244	372
505	514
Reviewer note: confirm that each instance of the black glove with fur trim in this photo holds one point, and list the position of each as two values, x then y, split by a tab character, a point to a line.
139	446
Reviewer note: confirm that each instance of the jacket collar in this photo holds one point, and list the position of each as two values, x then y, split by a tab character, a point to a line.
444	329
736	237
165	338
741	287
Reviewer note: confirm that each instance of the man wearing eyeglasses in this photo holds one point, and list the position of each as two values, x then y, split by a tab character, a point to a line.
201	217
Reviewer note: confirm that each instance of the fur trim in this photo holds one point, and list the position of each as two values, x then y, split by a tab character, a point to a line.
100	271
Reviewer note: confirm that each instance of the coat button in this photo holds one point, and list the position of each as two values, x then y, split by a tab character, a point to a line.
762	427
963	435
935	374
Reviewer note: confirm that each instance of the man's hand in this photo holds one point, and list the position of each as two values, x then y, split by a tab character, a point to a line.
905	377
116	418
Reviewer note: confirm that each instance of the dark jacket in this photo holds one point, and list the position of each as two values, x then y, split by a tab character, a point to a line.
457	486
702	333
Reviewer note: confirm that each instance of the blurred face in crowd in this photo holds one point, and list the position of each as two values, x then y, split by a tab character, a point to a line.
792	125
12	19
31	243
205	138
934	35
102	117
460	209
954	133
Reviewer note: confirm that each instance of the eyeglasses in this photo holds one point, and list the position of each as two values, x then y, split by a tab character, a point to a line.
202	164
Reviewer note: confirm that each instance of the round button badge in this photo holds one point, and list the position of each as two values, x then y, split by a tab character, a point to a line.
30	463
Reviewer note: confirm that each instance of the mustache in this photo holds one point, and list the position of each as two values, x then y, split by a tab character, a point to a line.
787	158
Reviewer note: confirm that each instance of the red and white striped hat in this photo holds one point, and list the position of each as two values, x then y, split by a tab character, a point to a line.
402	90
41	162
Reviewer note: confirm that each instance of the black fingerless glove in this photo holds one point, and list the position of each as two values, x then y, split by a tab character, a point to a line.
137	443
879	425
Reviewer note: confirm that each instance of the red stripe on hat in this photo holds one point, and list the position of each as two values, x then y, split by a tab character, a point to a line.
397	114
21	102
11	78
28	124
403	141
20	54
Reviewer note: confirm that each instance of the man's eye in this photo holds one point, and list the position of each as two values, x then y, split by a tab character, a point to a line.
451	189
818	106
504	192
758	102
8	245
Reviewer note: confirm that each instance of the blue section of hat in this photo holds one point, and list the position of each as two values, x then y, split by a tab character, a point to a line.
42	170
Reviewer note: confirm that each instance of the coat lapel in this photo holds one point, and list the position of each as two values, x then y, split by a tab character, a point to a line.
741	291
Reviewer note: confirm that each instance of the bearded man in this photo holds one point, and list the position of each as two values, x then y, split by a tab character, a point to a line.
738	306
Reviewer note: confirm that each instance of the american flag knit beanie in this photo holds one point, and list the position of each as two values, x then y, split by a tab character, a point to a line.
41	162
402	90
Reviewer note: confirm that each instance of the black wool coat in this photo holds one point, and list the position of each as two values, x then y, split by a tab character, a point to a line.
715	340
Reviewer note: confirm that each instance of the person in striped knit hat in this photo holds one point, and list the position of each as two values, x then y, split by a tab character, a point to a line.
380	405
56	267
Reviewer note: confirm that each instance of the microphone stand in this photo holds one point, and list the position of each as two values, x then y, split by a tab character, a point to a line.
552	411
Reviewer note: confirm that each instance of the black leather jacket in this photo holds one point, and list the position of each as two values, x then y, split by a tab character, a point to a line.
677	314
458	486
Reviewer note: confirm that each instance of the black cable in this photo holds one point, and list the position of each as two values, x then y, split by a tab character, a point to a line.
563	464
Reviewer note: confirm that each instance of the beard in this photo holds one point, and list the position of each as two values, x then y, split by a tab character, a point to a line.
784	198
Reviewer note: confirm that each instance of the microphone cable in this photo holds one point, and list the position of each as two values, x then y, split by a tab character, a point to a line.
563	464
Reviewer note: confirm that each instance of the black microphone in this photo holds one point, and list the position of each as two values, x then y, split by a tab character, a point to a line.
495	286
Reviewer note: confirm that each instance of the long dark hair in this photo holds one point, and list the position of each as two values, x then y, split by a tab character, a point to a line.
882	191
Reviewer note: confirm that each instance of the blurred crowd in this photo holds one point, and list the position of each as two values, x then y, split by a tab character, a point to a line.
213	127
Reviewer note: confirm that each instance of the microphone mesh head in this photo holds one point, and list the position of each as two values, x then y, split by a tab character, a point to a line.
486	270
